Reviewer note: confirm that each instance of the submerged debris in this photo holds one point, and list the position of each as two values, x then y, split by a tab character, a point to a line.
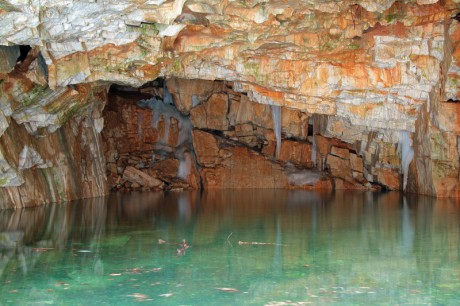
182	245
139	297
41	249
286	303
260	243
134	270
225	289
166	294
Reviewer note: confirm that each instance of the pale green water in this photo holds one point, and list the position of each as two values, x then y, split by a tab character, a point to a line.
347	248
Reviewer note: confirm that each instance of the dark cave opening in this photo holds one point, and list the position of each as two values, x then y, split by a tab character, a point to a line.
23	52
183	133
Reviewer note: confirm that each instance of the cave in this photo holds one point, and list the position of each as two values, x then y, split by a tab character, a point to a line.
198	134
194	152
180	134
183	102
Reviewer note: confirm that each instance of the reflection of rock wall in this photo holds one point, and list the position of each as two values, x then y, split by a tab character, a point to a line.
26	234
335	244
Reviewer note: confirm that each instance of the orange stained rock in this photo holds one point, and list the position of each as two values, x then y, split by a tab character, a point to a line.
455	39
389	178
296	152
190	39
362	110
447	187
427	13
173	134
276	96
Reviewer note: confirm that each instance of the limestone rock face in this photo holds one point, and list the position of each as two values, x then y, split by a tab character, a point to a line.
226	165
147	143
226	141
212	114
351	78
8	57
50	143
62	165
140	178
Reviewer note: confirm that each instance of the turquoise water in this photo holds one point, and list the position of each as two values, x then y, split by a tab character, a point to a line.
245	247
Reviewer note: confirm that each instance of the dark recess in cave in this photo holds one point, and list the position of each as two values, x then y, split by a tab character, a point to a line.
157	83
453	101
24	50
310	130
42	63
457	17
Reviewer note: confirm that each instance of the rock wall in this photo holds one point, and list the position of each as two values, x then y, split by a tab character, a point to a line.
147	143
220	139
231	142
50	144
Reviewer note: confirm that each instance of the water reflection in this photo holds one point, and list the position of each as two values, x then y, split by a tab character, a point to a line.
272	244
25	234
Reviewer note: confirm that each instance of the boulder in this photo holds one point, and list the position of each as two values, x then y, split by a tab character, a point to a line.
134	175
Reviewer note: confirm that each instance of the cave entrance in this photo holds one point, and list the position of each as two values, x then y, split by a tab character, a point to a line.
147	140
187	134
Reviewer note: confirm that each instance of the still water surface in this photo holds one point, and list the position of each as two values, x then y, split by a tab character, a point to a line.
245	247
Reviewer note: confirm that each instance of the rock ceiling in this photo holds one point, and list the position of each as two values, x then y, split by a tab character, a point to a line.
372	62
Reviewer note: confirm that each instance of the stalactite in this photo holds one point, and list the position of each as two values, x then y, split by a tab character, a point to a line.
185	164
276	115
167	111
313	148
406	153
313	151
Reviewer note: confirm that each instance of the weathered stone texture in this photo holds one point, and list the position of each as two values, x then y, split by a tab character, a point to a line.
8	58
226	165
351	77
147	144
212	114
141	178
72	167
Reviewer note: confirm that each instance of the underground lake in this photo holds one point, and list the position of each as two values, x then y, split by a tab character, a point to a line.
203	152
233	247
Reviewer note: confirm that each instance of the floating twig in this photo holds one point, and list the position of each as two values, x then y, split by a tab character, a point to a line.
229	240
259	243
41	249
